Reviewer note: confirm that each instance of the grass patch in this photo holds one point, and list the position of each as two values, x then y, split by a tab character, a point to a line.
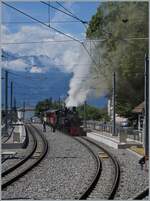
138	150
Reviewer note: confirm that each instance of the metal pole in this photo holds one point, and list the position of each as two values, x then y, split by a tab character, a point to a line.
14	103
11	99
23	110
85	114
15	106
146	97
6	102
59	104
114	105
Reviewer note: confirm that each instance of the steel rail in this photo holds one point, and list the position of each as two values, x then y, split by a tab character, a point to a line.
9	170
30	167
97	174
117	169
142	194
98	171
8	137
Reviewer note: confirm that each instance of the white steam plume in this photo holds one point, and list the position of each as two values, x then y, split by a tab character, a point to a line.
88	79
80	82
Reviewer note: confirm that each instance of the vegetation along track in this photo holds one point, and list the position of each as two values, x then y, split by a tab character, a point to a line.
116	177
24	166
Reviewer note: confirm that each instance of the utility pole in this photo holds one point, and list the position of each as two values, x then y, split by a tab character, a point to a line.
11	99
23	110
59	103
15	103
114	105
6	103
85	125
146	107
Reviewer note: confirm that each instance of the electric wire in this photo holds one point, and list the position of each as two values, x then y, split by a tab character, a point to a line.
83	22
65	8
48	41
63	12
53	29
27	15
29	22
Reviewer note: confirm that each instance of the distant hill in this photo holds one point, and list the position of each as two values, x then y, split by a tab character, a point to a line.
33	87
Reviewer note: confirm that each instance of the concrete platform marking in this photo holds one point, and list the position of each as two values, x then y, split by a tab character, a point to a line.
103	155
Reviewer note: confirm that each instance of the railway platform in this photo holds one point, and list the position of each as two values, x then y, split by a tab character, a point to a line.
17	138
117	142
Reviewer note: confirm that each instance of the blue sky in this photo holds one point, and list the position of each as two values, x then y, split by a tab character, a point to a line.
83	10
40	58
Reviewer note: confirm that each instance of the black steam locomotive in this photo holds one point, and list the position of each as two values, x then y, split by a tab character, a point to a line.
66	120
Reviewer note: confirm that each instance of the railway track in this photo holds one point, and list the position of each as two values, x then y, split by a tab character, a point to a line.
33	159
13	167
142	195
97	172
5	139
94	184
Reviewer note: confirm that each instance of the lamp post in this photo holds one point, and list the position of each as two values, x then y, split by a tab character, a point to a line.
114	105
11	100
146	107
6	103
85	125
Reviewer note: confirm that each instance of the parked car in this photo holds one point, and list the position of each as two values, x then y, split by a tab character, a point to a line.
35	120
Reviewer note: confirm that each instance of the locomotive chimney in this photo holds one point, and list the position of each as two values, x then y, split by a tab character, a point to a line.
74	109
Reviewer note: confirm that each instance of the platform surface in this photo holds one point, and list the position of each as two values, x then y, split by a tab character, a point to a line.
112	141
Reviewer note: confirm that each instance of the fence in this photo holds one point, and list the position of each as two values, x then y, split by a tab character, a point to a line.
131	133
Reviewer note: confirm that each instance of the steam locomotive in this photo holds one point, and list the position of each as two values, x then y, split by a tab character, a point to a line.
66	120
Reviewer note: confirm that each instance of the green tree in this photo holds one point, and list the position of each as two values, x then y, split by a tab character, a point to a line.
45	105
124	26
93	113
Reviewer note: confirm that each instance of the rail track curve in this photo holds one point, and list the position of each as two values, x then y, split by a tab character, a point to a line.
43	152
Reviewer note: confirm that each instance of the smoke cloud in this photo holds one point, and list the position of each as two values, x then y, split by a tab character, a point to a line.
80	82
90	79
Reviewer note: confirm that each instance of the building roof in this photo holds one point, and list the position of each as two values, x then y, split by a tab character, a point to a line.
51	111
139	108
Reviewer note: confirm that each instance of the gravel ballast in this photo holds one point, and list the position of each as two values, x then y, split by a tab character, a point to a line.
103	187
64	173
20	154
132	179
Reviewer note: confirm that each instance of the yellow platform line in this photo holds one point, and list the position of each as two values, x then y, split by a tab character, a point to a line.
138	150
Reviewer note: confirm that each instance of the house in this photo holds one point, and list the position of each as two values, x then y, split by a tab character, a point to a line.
139	110
119	120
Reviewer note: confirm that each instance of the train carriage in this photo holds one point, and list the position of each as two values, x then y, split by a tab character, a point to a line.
66	120
51	117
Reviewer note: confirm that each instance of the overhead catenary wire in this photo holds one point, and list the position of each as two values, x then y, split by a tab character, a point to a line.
53	29
63	12
46	22
49	41
65	8
85	25
27	15
49	15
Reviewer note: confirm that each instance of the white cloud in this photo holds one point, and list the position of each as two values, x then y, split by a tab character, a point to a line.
60	53
17	65
71	57
36	69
